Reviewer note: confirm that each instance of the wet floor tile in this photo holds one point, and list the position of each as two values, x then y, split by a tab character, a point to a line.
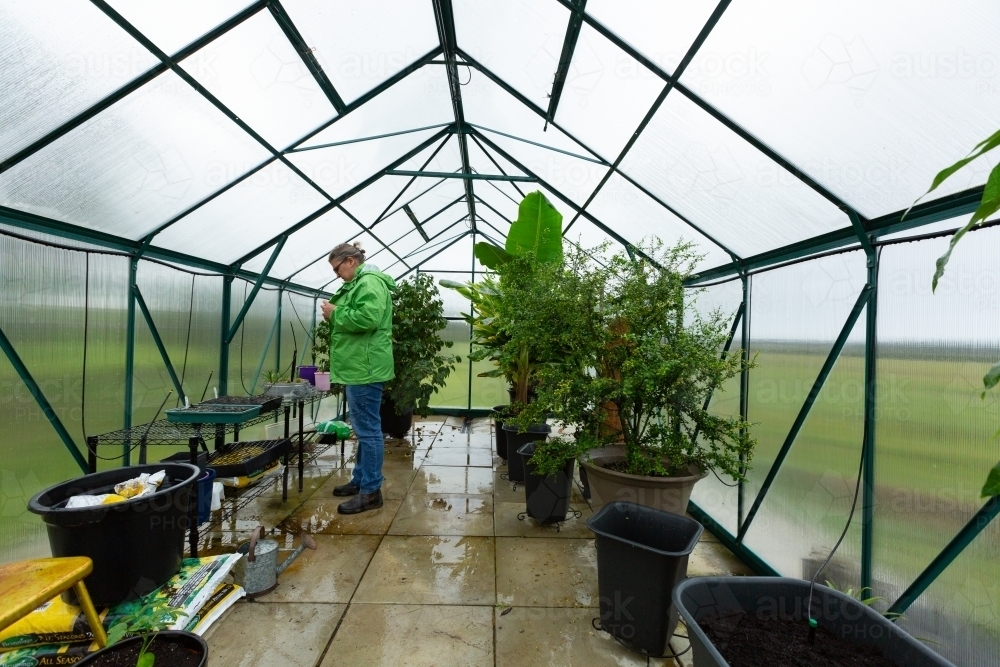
557	637
375	635
396	481
459	456
505	491
711	559
546	572
319	515
329	574
453	479
507	524
262	635
430	570
444	514
451	439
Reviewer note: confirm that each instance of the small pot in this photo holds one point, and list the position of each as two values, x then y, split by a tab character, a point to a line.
670	494
308	373
188	640
547	498
322	379
515	440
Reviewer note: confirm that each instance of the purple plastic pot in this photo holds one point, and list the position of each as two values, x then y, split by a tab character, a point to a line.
308	373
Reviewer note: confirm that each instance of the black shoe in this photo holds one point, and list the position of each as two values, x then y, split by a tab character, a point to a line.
349	489
361	503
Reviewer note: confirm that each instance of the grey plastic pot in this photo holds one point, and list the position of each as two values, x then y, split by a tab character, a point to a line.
669	494
703	598
188	640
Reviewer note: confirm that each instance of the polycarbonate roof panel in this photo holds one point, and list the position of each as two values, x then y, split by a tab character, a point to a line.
487	105
641	220
482	162
606	95
55	64
135	165
419	100
504	207
724	185
360	43
337	169
870	99
589	237
393	226
440	246
369	204
571	176
254	70
243	217
456	257
435	198
440	220
662	30
518	40
175	24
314	240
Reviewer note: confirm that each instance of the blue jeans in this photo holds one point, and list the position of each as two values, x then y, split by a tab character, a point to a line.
364	401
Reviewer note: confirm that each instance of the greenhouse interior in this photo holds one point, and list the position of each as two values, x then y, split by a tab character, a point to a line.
468	332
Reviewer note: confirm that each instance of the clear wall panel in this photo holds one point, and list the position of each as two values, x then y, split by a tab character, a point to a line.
519	41
296	328
934	439
606	96
661	31
135	165
245	216
250	345
796	314
361	44
254	70
53	65
842	89
178	23
721	183
639	218
315	239
455	392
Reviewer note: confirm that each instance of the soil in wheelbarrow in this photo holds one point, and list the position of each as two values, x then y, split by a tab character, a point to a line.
747	640
167	654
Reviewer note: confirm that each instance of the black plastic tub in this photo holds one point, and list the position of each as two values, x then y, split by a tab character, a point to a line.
501	435
395	424
642	554
547	498
515	440
187	640
136	545
705	598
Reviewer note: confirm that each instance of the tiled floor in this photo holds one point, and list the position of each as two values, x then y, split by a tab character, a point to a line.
444	574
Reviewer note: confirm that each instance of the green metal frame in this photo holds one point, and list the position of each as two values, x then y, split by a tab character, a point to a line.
161	348
466	177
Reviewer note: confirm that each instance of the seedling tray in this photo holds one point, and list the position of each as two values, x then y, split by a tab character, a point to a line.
266	403
240	459
213	414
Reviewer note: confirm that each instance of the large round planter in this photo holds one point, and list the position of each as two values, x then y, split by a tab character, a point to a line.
136	545
395	424
515	440
498	411
670	494
188	641
547	498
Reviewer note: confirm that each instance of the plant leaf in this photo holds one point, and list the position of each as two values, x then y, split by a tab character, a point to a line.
990	204
992	377
537	230
145	660
992	486
490	255
983	147
451	284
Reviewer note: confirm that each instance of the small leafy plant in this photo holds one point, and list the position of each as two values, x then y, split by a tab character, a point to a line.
273	377
146	621
321	346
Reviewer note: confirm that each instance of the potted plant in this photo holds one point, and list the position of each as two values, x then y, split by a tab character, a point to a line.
420	368
641	361
136	639
276	384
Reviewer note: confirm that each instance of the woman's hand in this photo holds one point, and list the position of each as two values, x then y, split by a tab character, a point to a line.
328	309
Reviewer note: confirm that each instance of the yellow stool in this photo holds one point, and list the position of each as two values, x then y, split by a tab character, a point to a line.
27	584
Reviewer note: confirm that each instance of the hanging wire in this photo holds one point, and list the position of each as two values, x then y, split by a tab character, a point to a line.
86	326
187	342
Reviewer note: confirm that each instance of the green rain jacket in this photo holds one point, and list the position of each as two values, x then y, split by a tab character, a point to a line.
361	329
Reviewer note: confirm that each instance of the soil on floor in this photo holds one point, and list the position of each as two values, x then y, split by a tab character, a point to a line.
167	653
747	640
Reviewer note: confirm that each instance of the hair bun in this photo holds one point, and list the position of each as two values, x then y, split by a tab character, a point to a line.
357	244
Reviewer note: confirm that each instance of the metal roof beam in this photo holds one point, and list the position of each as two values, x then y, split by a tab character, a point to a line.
416	223
306	53
566	57
467	177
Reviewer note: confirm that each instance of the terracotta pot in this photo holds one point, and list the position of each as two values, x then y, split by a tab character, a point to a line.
670	494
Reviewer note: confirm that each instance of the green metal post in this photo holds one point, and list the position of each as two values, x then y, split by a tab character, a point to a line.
43	403
472	311
277	354
137	295
744	389
133	267
267	346
227	293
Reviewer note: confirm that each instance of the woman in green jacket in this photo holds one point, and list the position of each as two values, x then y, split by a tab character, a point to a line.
360	315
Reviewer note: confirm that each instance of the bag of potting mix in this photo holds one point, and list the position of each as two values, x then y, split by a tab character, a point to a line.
60	629
271	470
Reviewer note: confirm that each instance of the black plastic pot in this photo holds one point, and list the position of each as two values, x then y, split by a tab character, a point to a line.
396	425
498	411
547	498
515	440
188	640
704	598
642	554
136	545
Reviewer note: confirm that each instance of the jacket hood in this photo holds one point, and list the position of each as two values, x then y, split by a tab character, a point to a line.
367	269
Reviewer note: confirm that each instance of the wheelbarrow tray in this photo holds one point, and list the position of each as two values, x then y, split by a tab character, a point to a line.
241	459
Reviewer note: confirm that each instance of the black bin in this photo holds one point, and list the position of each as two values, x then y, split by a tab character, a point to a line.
515	440
498	411
547	498
642	553
136	545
